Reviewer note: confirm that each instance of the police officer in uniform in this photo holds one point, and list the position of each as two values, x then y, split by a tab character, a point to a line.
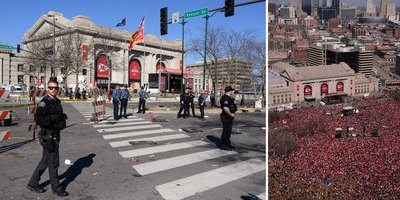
184	104
124	101
142	100
51	119
229	108
116	95
191	103
202	103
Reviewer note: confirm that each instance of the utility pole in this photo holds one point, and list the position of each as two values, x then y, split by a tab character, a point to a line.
183	54
205	54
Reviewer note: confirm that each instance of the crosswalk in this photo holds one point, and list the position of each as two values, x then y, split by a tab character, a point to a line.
122	134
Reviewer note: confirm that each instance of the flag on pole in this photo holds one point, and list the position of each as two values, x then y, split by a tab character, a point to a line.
137	36
122	23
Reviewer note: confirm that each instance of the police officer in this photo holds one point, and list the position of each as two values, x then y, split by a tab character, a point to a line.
116	95
51	119
202	103
184	104
142	100
191	102
124	101
229	108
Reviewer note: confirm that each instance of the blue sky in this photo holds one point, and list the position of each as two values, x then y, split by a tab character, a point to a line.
18	16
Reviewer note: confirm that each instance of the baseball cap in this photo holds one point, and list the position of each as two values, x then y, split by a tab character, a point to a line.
229	88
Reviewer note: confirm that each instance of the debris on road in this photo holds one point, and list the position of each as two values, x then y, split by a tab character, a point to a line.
134	160
68	162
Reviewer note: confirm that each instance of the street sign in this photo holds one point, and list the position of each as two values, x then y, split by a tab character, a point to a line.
195	13
175	17
6	47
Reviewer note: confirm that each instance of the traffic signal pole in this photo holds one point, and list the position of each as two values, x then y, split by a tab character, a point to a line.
183	54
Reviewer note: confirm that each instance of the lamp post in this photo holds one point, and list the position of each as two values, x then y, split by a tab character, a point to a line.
53	71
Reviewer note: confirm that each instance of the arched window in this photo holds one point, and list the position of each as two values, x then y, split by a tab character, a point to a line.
134	70
324	89
307	90
339	87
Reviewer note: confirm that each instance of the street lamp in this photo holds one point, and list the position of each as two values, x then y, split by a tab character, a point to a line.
53	71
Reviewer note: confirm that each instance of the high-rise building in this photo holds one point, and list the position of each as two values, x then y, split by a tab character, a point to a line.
365	62
348	15
370	8
287	12
316	56
328	9
272	8
391	10
306	6
293	4
383	8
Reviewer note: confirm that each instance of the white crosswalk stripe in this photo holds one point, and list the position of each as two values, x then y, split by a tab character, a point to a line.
185	187
135	122
149	135
178	161
152	139
161	148
137	133
129	128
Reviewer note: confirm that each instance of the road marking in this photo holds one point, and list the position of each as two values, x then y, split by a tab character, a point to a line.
135	122
153	139
169	163
198	183
136	133
262	196
161	148
129	128
112	120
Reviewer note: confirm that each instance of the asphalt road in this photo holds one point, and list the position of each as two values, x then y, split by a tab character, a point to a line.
164	162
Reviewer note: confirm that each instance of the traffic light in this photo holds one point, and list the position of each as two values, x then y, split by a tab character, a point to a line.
18	48
164	21
229	8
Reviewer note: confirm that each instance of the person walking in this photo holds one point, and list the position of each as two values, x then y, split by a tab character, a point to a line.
202	103
124	101
184	104
51	119
142	100
116	95
229	108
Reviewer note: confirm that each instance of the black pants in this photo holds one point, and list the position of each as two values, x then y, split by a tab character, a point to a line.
142	105
227	123
116	104
124	104
49	160
186	108
201	111
192	106
182	108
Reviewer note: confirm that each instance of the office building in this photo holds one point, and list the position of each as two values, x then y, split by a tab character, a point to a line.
306	6
383	8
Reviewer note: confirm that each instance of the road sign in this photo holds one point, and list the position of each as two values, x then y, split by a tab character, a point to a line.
175	17
195	13
6	47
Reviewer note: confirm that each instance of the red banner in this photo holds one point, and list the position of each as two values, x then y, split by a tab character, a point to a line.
307	90
85	52
339	86
324	88
134	70
102	67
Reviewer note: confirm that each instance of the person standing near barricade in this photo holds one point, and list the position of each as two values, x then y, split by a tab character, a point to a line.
202	103
51	119
142	100
184	103
191	103
229	108
116	95
124	101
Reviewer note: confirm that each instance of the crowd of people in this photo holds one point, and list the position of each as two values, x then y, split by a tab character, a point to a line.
340	168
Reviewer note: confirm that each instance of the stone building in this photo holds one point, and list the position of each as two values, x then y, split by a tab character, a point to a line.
107	56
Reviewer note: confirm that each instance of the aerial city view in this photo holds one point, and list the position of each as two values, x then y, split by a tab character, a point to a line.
334	99
133	100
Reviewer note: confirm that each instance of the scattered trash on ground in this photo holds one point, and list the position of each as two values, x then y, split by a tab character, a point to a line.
68	162
94	174
134	160
152	156
243	110
180	129
192	130
215	165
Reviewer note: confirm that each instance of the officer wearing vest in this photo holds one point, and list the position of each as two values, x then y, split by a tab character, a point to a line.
142	100
229	108
184	105
124	101
116	95
202	103
191	103
51	119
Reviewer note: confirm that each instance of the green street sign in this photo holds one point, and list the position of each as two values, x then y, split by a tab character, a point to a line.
6	47
196	13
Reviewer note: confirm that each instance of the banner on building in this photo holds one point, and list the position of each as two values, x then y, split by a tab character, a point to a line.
102	67
134	70
307	90
85	52
339	87
324	88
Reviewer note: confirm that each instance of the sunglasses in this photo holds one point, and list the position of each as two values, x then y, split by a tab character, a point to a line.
53	88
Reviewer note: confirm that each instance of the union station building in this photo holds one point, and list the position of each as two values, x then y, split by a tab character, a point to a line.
156	63
290	84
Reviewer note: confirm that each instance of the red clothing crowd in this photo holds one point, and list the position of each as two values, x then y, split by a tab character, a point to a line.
356	167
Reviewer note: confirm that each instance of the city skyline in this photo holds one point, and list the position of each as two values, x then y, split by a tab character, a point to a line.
350	2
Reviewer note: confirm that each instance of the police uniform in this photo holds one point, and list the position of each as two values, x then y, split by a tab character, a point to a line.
202	104
51	119
183	101
116	97
227	120
124	102
191	103
142	101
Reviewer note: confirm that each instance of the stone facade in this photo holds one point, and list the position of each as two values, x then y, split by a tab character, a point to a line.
142	60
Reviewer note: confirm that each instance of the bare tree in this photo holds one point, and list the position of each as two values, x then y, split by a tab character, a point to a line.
214	52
